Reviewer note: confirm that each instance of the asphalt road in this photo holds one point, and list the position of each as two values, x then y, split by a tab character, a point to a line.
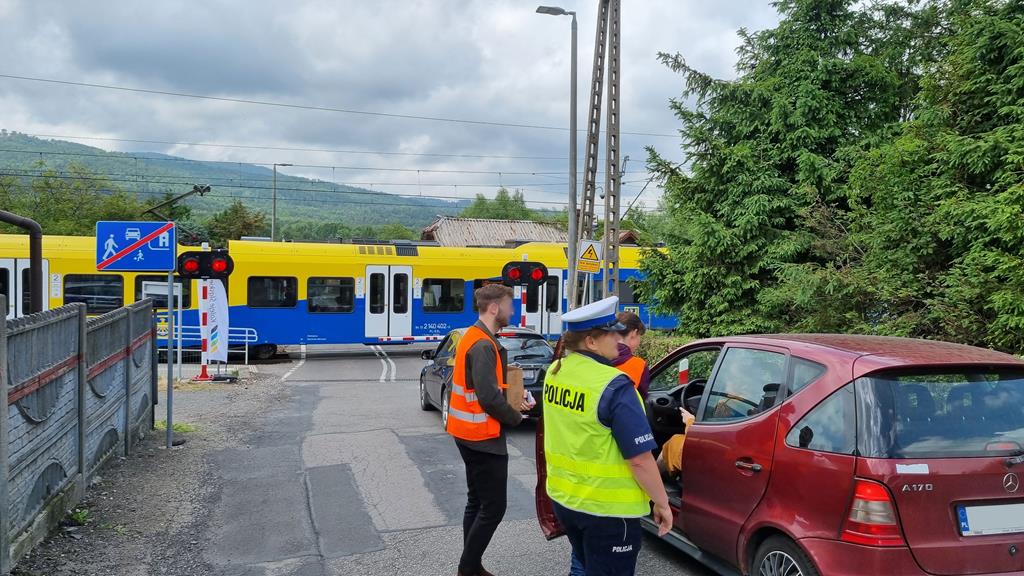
349	477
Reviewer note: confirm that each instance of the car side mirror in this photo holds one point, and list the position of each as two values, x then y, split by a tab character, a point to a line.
427	354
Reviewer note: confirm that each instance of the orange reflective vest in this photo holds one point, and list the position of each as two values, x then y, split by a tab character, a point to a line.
466	418
634	368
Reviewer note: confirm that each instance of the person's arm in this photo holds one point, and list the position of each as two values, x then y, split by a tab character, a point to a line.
620	410
647	475
645	382
482	370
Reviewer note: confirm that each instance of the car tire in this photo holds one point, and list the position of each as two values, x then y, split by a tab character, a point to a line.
425	404
446	400
780	556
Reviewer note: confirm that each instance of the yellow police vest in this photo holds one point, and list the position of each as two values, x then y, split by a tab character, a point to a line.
586	470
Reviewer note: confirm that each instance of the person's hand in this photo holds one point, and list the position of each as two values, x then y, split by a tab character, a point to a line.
663	518
528	403
688	418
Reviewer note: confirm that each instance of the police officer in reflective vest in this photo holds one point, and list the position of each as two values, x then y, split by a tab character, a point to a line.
477	414
601	475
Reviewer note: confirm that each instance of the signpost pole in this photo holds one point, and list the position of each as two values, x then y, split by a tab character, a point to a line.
170	359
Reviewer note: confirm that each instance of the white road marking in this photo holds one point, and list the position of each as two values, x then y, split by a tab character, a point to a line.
302	360
383	363
394	369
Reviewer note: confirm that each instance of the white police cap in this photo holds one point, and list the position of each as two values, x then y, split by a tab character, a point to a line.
596	315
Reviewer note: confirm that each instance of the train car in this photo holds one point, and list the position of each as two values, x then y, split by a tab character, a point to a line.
285	293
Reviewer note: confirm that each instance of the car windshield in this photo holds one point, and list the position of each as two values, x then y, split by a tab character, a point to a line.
963	413
528	349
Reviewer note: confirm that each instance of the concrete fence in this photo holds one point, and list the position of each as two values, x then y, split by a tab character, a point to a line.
76	392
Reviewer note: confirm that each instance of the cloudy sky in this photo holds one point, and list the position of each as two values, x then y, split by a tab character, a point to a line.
483	60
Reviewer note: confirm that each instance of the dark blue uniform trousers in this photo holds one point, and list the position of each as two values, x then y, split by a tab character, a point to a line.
605	546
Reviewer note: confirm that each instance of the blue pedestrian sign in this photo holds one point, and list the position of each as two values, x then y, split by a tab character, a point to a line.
136	246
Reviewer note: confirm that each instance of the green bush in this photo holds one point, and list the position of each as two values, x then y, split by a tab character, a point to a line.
655	345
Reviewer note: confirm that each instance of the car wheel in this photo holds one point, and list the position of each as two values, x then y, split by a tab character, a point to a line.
425	404
780	556
446	400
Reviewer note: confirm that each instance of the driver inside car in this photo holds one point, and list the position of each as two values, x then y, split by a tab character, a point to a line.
670	461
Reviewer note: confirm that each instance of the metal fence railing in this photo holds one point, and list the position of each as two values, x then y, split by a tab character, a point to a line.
190	338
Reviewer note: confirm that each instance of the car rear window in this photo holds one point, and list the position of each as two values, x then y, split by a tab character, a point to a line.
527	349
962	413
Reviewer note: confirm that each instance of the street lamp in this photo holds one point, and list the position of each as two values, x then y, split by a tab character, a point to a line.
573	143
273	218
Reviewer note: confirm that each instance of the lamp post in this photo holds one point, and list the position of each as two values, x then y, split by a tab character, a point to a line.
573	143
273	218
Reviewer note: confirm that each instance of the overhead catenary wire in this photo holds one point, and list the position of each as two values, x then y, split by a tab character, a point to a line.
307	106
453	200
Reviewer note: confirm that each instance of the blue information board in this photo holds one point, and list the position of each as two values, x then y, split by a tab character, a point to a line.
136	246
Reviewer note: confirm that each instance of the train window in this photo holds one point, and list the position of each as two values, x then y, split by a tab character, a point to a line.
552	303
377	293
326	295
5	283
273	292
160	300
444	295
626	292
400	300
101	293
532	299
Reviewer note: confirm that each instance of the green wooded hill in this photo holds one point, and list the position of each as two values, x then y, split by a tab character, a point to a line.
150	176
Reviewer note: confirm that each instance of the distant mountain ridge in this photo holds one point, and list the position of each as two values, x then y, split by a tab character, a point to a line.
151	174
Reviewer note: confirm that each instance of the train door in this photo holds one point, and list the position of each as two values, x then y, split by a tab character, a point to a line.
14	285
388	301
544	305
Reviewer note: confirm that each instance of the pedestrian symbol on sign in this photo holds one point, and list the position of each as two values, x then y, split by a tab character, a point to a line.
139	257
109	247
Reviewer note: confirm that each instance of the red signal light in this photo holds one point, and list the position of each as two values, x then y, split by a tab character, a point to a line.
219	265
536	274
190	265
515	274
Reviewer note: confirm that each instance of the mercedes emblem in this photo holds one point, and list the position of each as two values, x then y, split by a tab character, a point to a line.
1011	483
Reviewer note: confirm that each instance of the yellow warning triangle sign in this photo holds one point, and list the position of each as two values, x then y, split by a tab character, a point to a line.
590	254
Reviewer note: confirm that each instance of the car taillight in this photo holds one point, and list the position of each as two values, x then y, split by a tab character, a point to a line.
872	520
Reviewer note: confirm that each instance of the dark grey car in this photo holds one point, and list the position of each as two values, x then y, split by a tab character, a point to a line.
526	349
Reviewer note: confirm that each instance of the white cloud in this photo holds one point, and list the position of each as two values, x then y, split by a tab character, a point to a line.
493	60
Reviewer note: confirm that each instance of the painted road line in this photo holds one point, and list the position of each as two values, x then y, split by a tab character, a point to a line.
302	360
383	363
394	369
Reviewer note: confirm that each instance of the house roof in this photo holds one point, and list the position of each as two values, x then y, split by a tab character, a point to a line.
448	231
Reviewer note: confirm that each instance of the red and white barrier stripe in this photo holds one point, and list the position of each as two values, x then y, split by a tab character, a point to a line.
204	306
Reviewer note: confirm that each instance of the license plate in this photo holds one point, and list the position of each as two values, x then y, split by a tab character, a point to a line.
529	374
989	520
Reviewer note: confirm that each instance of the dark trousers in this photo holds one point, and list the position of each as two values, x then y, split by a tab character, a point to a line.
605	546
487	480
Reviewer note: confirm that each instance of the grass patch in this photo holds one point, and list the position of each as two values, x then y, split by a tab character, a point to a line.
178	426
79	517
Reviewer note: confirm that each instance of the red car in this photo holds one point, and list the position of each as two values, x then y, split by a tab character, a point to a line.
843	455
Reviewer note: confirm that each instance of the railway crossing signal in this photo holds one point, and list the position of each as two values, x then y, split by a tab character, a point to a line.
216	264
530	274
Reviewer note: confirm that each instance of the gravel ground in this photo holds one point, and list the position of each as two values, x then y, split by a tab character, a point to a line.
146	513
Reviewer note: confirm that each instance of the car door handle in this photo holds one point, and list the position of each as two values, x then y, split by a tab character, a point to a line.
749	466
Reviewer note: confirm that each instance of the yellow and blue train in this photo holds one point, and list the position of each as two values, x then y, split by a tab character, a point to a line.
289	293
